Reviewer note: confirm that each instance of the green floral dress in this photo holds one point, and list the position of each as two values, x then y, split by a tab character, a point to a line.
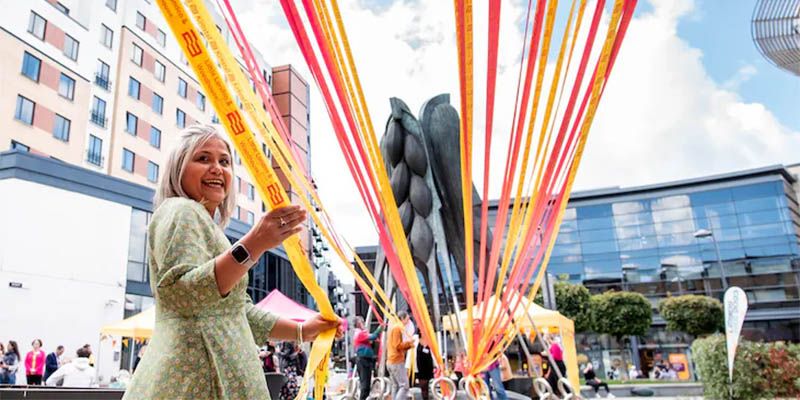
203	345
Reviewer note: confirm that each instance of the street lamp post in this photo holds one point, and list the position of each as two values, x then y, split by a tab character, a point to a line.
704	233
626	269
677	278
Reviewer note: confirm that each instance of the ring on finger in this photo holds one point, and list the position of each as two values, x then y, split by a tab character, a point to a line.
283	222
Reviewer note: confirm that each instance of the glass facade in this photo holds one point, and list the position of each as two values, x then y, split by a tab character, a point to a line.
660	244
691	237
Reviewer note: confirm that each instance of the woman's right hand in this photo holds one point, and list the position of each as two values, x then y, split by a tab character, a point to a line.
273	228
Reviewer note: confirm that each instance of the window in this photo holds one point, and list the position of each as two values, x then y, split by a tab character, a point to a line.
182	88
251	218
201	101
37	25
131	123
160	71
94	154
180	117
236	212
99	111
31	66
214	119
25	110
136	56
141	21
101	78
251	193
62	8
161	38
66	87
152	171
134	88
112	4
19	146
106	36
137	255
128	159
158	103
61	128
155	137
71	47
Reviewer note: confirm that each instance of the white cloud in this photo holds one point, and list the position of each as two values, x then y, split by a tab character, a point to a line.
662	117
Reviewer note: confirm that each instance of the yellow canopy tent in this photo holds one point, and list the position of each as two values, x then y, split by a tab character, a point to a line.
546	321
137	326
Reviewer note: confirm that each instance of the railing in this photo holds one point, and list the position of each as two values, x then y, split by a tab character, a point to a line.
99	118
102	81
95	158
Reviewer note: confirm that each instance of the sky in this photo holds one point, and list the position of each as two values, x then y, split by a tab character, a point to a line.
689	96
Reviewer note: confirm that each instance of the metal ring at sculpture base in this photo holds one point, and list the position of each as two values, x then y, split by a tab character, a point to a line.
565	387
351	390
543	389
482	392
438	394
380	384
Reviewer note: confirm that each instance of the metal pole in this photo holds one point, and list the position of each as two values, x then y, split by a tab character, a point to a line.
347	352
721	267
680	282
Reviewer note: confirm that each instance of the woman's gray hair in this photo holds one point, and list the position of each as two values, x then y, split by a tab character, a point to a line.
190	139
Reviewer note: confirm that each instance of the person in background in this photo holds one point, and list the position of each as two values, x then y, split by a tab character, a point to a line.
10	364
505	371
292	367
77	373
460	366
139	356
52	362
88	348
34	363
593	381
425	367
363	342
396	357
267	356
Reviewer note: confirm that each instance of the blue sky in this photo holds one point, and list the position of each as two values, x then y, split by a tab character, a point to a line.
690	94
721	29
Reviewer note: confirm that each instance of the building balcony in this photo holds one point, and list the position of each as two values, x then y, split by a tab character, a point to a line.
102	81
95	158
98	118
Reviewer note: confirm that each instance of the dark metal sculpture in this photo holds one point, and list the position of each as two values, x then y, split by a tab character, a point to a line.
423	162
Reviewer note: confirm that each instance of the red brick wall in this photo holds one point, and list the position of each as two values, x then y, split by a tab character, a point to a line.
148	61
43	118
54	35
49	76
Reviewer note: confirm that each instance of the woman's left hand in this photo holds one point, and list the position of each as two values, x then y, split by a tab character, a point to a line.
316	325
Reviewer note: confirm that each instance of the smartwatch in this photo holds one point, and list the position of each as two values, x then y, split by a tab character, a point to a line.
241	255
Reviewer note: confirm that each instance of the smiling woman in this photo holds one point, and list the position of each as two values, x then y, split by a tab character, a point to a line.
203	343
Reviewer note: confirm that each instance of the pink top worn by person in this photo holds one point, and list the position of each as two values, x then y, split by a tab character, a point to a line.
34	363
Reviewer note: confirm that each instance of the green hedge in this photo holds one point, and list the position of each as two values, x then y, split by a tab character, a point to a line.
761	370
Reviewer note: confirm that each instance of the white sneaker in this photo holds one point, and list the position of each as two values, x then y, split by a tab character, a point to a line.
611	396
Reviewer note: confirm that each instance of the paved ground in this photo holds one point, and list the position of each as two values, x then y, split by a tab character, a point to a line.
337	379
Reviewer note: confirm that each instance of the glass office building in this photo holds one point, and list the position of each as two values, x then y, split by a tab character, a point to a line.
696	236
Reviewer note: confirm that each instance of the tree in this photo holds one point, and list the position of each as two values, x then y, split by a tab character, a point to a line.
620	314
572	300
695	315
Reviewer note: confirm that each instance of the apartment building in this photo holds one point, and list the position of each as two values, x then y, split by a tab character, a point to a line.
105	86
102	86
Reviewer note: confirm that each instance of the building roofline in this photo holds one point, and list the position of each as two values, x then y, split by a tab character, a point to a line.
709	179
15	164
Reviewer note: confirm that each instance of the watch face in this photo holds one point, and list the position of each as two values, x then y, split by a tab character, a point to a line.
239	253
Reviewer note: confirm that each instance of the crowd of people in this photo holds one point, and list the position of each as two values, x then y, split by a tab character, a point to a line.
54	369
406	348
